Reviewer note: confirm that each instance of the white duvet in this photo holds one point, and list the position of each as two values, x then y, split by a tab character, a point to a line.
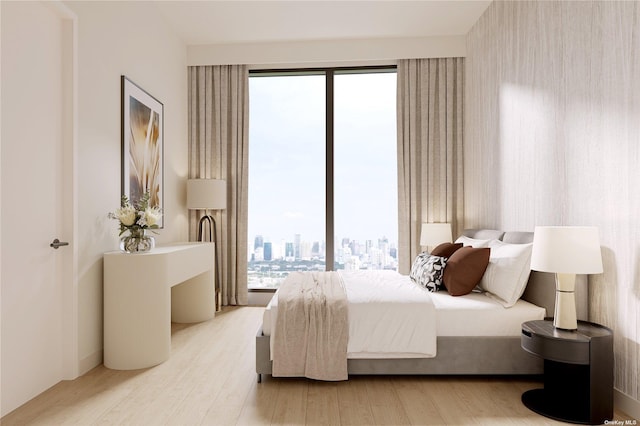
389	316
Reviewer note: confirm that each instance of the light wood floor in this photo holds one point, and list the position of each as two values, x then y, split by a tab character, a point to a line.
210	380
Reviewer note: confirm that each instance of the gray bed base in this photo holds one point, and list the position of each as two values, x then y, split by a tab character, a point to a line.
463	355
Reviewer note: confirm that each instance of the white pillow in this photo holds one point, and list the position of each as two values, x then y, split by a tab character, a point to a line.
508	272
473	242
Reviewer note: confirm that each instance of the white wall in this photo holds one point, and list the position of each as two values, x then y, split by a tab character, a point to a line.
552	137
114	39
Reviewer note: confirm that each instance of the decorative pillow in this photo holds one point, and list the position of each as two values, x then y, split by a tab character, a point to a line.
417	265
427	271
508	272
465	269
446	249
466	241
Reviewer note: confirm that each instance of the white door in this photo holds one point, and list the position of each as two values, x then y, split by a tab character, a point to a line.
35	132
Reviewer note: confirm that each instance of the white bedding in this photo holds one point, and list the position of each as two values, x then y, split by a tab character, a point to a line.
388	316
384	308
477	314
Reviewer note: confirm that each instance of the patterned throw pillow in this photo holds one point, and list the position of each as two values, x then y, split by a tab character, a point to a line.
427	271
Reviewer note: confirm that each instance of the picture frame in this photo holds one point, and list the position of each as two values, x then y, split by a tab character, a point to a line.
142	145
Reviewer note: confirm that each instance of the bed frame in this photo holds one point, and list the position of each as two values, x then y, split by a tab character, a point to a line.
464	355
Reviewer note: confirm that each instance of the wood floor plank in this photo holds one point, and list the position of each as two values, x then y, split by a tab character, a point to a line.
222	415
385	404
476	397
260	403
417	400
210	379
322	403
452	409
353	402
291	402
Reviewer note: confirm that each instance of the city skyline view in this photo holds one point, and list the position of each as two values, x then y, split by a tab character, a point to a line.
270	263
308	248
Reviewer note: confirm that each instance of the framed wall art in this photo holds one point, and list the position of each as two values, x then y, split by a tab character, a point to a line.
142	145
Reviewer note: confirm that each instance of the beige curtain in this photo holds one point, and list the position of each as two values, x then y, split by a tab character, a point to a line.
430	133
218	149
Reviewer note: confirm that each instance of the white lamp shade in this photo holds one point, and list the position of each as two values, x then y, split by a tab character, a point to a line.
566	250
433	234
206	194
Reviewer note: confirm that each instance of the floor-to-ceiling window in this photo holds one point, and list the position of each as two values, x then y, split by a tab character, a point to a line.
365	171
322	172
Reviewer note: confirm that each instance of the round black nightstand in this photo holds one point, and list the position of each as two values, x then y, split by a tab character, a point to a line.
578	371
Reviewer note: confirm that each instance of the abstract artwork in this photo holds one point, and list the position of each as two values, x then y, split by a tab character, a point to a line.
142	145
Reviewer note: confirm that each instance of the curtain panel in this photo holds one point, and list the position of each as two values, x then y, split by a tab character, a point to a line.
430	162
218	149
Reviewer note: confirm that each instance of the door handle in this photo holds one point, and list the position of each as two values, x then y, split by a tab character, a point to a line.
57	243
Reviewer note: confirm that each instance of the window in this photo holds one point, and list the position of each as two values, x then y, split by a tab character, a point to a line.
322	172
365	171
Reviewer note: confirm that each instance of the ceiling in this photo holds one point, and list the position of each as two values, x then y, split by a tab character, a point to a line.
230	22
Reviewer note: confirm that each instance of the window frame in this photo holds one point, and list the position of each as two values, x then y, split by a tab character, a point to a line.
329	73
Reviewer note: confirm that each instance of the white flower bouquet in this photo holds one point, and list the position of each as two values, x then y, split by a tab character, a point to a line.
136	219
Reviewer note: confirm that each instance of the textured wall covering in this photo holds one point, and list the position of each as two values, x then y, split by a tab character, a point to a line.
552	137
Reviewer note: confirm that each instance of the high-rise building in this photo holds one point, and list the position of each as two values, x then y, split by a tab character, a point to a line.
258	254
258	242
289	252
383	244
393	252
296	246
355	248
352	264
305	250
268	253
315	249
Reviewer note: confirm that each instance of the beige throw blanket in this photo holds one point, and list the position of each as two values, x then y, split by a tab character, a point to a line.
312	329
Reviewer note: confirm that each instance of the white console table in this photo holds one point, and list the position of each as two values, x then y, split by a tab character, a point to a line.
144	292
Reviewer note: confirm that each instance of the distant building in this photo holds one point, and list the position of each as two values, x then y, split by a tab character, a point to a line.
258	242
352	264
268	251
305	250
289	252
345	242
315	249
355	248
259	254
297	253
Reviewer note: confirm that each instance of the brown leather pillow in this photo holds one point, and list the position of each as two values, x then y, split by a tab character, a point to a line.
446	249
465	269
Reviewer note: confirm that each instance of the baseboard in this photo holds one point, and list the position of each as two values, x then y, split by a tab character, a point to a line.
90	362
626	404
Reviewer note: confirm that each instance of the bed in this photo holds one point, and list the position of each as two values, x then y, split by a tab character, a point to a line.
487	345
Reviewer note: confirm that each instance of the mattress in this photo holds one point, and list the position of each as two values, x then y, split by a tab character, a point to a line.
474	314
388	316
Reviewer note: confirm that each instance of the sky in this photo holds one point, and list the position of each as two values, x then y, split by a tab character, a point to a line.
287	157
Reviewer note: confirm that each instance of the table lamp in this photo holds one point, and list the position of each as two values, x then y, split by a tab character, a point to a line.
208	194
566	251
433	234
